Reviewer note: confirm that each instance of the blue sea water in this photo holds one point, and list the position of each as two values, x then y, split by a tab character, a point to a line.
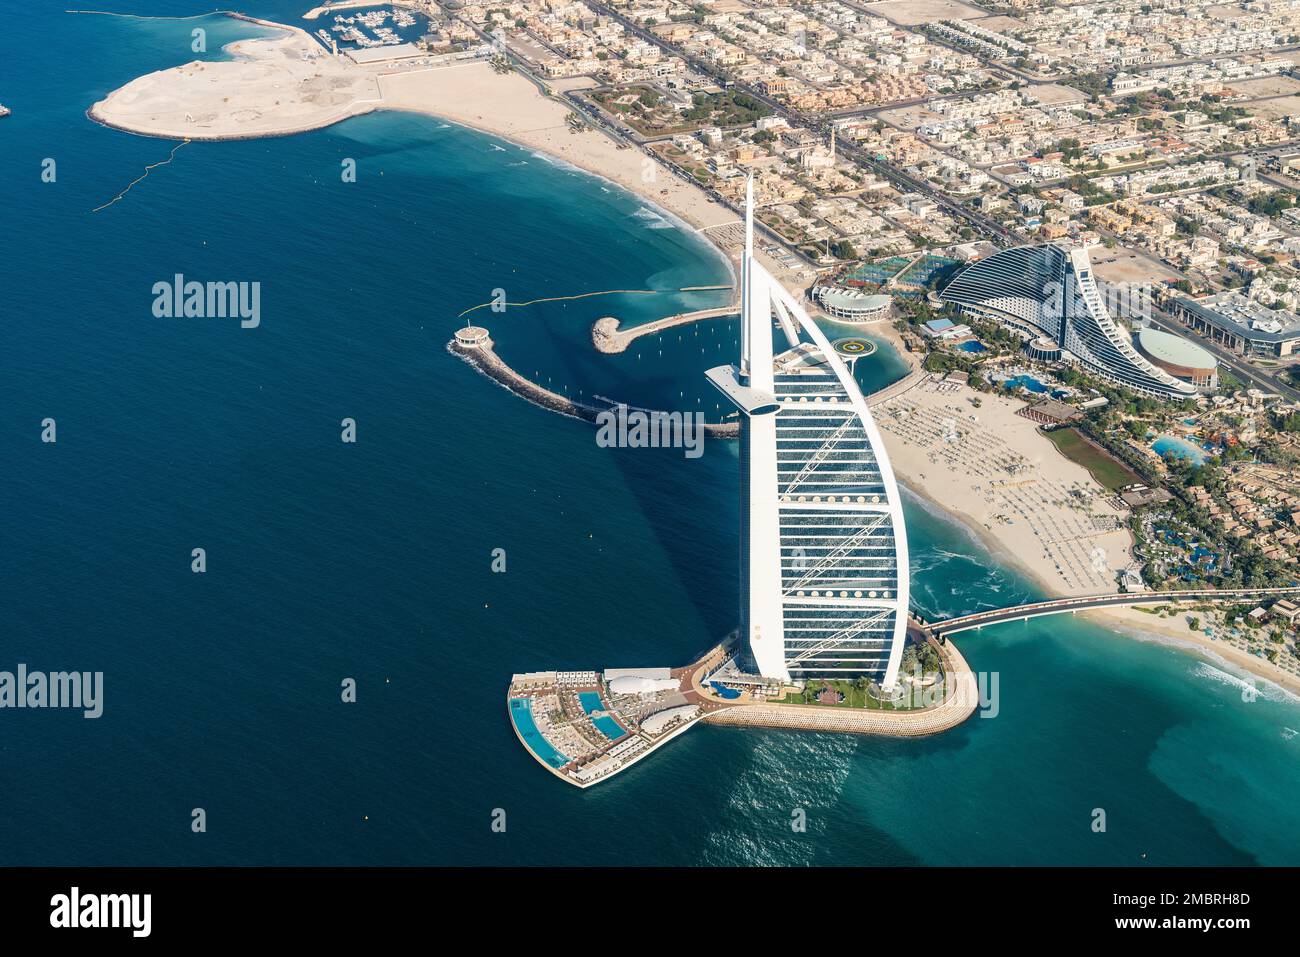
372	561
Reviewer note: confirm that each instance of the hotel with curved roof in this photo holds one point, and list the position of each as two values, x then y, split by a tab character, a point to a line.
824	573
1049	290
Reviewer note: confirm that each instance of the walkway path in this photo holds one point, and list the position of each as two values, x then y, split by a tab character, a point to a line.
962	698
1059	606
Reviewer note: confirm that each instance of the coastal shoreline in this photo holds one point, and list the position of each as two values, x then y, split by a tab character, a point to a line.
614	161
974	456
996	548
468	94
1176	633
509	107
1125	621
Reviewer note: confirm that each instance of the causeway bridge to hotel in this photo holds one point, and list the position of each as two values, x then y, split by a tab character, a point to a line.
1057	606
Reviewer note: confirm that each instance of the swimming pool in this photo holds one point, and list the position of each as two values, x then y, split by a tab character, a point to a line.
1178	448
1025	382
606	725
972	346
521	713
725	692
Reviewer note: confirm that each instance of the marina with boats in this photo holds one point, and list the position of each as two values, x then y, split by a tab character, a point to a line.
368	29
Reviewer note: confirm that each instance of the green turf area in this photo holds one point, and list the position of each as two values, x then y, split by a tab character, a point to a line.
1111	473
854	697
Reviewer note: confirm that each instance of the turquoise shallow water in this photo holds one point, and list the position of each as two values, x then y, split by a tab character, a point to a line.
372	561
1171	445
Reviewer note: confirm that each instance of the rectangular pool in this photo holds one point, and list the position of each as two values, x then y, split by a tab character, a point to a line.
606	725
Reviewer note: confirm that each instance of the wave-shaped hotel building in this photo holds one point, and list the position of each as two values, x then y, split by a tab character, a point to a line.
1050	293
823	550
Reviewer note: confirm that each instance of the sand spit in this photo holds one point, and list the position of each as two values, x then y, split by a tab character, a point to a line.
275	87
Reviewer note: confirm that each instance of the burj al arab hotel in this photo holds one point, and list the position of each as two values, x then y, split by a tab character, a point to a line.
823	550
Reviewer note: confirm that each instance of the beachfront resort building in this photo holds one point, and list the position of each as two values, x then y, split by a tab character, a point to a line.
1050	290
823	551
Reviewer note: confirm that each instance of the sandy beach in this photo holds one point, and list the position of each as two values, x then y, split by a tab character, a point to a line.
284	85
1177	630
991	468
509	106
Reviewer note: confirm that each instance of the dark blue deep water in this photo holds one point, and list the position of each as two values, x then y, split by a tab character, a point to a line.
372	561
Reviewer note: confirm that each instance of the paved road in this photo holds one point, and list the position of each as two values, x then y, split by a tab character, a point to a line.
982	224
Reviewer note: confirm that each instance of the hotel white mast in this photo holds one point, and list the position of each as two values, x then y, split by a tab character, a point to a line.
823	550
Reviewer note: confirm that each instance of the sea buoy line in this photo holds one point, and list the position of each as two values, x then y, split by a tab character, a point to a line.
137	16
603	292
584	295
169	158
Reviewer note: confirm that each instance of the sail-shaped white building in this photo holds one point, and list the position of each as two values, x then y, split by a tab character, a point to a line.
823	549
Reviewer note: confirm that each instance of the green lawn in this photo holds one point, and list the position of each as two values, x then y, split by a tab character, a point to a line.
1111	473
853	698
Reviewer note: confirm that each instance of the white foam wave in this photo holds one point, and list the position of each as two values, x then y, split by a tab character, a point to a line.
1239	679
652	219
671	218
557	162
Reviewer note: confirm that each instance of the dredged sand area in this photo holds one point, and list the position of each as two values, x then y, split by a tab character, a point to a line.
276	86
289	84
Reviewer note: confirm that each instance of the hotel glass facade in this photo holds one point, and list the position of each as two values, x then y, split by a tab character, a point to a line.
1048	290
823	550
839	564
